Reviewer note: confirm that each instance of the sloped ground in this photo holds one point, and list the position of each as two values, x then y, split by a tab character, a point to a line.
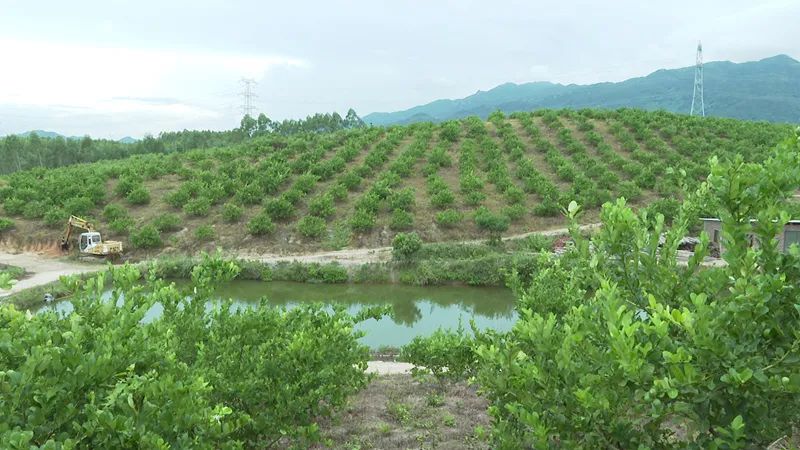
398	412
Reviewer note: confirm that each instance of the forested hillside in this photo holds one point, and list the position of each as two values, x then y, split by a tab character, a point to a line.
455	180
759	90
47	149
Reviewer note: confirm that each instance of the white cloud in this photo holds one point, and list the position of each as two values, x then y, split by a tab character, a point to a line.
111	79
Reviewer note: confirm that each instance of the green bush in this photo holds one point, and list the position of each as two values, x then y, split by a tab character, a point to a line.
615	344
55	217
363	220
166	223
401	220
514	212
312	226
447	355
180	379
198	207
79	206
279	208
113	211
139	196
448	218
177	199
489	221
405	245
321	205
402	199
442	199
147	236
204	233
127	184
121	226
231	212
261	224
6	224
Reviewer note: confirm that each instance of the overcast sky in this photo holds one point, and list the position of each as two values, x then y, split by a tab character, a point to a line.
113	68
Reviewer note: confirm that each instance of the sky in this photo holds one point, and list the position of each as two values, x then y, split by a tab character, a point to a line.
127	68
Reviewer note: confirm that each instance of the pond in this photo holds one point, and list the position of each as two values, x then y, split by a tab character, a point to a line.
417	311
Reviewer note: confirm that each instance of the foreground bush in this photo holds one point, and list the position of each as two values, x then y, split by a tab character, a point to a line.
195	377
618	347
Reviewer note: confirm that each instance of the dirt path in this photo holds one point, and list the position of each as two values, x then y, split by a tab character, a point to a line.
42	269
357	256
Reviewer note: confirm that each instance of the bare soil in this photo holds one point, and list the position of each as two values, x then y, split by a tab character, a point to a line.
399	412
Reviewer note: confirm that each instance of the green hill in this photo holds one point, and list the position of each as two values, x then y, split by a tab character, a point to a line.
768	89
462	179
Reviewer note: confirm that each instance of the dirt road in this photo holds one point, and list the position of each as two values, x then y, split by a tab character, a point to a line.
42	269
357	256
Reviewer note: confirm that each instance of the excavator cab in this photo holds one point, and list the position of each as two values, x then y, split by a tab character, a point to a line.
89	240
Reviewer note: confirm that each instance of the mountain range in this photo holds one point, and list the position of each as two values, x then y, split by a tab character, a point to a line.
768	89
53	135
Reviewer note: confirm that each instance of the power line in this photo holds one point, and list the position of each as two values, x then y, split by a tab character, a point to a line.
248	95
697	96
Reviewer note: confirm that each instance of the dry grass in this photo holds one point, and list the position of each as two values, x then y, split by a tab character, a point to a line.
398	412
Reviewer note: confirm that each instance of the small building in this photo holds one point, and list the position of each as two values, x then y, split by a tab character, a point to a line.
790	235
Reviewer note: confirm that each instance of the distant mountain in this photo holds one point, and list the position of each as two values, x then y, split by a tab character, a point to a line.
42	134
52	135
768	89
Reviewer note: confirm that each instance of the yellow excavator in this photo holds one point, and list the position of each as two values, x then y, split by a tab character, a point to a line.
89	243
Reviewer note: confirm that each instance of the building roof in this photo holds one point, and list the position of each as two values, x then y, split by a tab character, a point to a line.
714	219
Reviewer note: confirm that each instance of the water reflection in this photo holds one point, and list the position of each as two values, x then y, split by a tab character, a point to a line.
417	311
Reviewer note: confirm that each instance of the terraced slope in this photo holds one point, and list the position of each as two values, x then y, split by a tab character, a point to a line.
456	180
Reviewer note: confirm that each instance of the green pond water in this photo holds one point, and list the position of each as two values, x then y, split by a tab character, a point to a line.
416	311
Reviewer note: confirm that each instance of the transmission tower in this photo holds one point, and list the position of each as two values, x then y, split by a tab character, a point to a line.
248	95
697	96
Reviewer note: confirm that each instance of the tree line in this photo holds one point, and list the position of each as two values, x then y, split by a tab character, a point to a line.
26	152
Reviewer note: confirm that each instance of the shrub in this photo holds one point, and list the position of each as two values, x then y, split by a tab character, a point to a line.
405	245
683	345
447	355
204	233
231	212
489	221
261	224
6	224
402	199
113	211
538	243
138	196
279	208
122	225
178	198
363	220
79	206
514	212
127	184
449	218
146	237
443	198
55	217
198	207
312	226
401	220
321	205
168	222
192	385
